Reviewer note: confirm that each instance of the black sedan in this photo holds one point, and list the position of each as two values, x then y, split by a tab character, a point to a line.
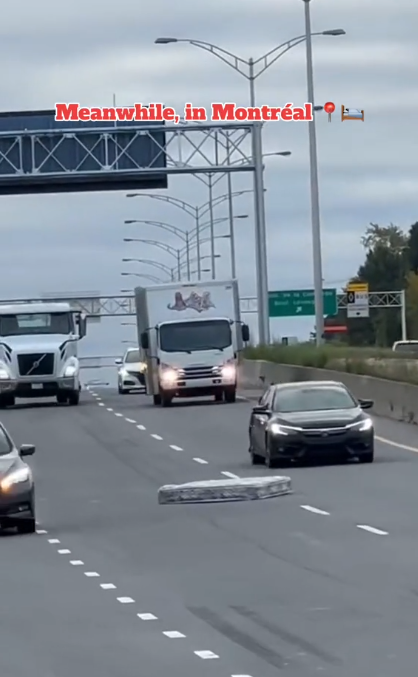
17	501
298	421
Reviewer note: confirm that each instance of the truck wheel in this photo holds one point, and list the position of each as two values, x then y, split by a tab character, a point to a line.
74	398
166	400
61	398
157	400
230	395
7	401
219	397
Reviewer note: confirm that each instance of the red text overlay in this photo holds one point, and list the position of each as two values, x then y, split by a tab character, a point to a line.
156	112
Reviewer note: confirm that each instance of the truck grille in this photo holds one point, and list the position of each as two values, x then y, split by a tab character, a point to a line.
36	364
191	373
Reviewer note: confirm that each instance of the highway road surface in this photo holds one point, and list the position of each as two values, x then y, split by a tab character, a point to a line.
321	582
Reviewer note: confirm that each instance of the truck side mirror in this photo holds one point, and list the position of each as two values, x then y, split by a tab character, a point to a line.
245	333
82	325
144	341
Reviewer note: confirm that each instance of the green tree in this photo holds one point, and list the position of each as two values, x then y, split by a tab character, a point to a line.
413	247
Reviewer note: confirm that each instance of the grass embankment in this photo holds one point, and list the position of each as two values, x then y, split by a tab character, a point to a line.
381	363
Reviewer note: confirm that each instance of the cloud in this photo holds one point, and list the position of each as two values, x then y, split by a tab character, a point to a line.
87	52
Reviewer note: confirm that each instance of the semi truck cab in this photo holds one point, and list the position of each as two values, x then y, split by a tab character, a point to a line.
38	352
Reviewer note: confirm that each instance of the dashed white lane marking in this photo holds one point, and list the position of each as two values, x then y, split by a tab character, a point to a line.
156	437
118	415
101	404
147	617
372	530
76	562
91	574
64	552
201	461
41	531
206	654
175	447
109	409
317	511
173	634
130	420
108	586
230	475
141	427
54	540
126	600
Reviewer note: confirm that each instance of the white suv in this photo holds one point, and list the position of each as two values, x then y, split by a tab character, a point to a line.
131	373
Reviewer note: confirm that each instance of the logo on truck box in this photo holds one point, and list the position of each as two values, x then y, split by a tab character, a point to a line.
195	301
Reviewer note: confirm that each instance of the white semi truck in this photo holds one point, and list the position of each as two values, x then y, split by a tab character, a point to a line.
38	352
191	336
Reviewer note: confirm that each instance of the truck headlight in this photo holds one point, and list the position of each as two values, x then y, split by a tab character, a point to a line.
16	477
70	370
168	375
4	374
228	371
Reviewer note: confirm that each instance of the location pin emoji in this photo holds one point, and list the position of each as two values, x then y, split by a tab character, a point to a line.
329	108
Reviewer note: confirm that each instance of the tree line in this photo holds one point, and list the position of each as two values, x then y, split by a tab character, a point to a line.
390	264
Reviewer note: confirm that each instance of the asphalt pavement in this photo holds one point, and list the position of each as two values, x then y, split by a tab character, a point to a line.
320	582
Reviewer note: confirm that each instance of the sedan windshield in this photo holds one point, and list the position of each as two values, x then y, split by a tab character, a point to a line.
5	445
132	356
312	399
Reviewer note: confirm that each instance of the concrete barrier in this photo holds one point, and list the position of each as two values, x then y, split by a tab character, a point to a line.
216	491
392	399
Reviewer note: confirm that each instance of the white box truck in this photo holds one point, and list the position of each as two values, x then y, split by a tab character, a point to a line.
38	352
191	335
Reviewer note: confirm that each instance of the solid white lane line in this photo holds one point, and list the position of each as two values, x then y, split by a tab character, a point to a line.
41	531
175	447
173	634
108	586
230	475
130	420
118	415
201	461
76	562
316	511
396	444
91	574
126	600
109	409
54	540
206	654
147	617
372	530
141	427
64	552
156	437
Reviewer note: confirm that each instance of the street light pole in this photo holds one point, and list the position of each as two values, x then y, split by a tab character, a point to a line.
212	227
231	216
199	265
314	186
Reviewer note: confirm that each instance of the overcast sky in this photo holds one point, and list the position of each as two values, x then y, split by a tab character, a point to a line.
87	51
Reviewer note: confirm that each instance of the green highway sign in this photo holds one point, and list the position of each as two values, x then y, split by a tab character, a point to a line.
300	303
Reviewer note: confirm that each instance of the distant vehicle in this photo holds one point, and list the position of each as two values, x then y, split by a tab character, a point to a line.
192	337
406	347
296	421
38	352
131	373
17	501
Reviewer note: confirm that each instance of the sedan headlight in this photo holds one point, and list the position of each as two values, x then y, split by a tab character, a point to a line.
278	429
362	426
123	372
142	367
15	477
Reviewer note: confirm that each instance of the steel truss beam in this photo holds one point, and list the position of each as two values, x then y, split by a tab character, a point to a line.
193	149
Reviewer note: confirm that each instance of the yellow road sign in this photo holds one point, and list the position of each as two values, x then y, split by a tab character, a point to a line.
361	287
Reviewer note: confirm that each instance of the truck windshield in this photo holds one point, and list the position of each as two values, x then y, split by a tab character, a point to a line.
36	323
185	337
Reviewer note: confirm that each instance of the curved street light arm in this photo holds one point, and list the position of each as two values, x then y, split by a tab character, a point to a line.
232	60
181	204
151	278
220	199
286	47
156	264
165	226
162	245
